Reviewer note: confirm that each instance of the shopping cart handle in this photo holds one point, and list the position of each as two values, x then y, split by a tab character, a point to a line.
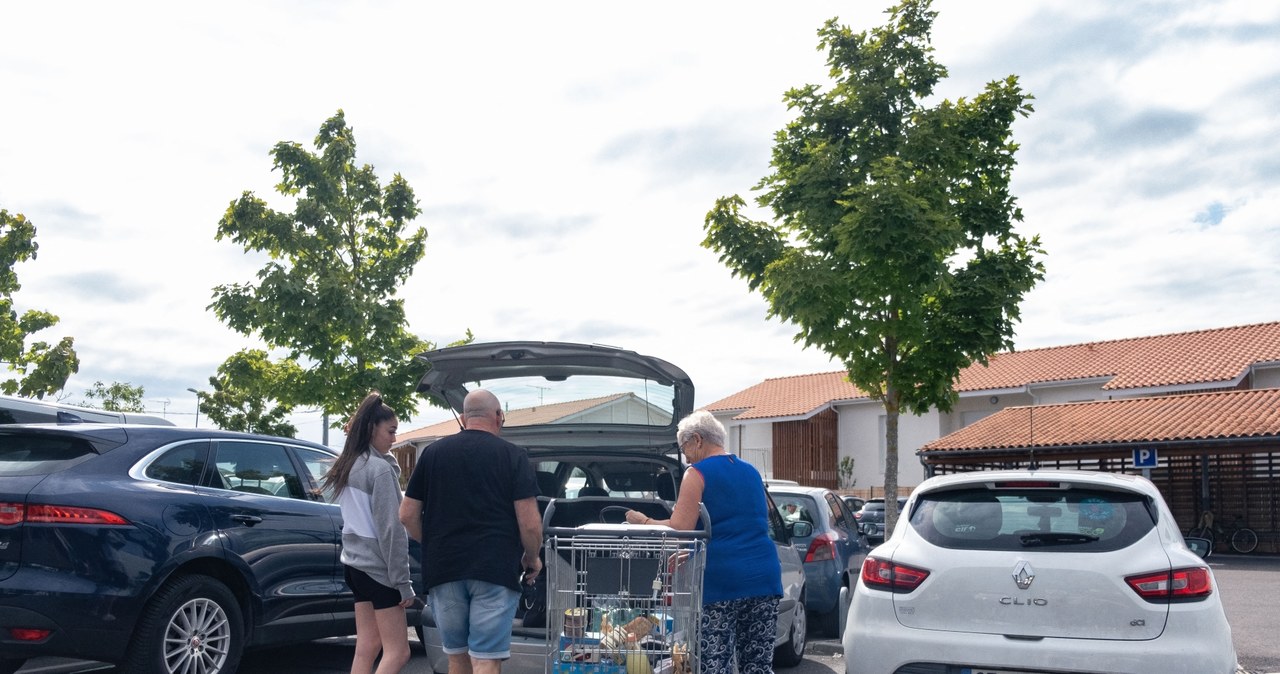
572	519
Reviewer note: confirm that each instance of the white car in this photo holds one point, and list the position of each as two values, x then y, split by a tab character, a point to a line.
1036	572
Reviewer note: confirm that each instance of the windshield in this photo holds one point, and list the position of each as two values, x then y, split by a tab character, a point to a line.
1073	520
582	399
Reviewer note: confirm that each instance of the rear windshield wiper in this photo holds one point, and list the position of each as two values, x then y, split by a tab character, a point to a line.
1033	539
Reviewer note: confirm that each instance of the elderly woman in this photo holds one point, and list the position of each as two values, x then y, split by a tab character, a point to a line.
742	581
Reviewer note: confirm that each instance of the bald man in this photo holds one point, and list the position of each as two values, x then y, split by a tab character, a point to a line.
472	502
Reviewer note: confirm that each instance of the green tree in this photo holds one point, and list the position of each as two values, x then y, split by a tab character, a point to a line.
327	297
244	394
892	245
41	368
117	397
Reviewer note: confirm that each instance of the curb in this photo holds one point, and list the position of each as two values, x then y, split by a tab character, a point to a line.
824	648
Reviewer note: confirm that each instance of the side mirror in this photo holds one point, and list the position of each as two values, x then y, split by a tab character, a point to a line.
1203	547
800	529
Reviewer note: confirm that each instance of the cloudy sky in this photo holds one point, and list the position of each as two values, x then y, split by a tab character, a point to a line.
565	154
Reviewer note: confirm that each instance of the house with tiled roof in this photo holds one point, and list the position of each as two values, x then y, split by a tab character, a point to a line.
409	445
1187	396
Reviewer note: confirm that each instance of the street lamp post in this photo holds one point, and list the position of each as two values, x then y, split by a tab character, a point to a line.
198	394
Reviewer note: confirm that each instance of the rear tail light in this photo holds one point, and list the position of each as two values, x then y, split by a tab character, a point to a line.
10	513
821	548
28	634
16	513
1189	584
880	574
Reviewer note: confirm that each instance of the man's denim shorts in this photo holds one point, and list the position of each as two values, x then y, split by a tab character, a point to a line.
474	617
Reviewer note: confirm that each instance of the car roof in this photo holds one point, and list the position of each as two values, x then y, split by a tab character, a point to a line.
120	433
816	492
28	410
1100	479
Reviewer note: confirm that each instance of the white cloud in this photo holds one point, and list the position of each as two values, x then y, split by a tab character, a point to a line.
565	155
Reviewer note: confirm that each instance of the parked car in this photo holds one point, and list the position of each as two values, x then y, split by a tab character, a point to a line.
18	410
853	503
1044	571
871	518
832	553
164	549
599	424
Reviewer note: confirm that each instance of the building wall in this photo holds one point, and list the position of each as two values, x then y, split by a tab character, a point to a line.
861	428
752	440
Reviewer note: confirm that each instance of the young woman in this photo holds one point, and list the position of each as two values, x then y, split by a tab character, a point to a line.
375	547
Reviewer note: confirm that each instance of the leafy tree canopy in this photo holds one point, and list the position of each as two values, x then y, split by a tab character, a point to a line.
892	244
41	368
327	297
116	397
244	394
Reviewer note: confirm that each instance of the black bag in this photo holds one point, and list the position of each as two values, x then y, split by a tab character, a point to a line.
533	602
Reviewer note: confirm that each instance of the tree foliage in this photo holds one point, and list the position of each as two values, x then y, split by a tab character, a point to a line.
116	397
892	244
327	296
244	394
41	368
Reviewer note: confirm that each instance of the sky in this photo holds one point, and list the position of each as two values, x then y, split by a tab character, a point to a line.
565	154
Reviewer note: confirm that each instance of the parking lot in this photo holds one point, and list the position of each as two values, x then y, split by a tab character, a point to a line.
1249	585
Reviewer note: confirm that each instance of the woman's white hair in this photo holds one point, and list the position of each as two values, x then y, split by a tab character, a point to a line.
706	426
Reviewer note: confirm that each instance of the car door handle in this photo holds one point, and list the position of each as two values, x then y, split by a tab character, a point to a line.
247	520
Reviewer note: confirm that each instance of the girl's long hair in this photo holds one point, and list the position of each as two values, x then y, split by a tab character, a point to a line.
372	411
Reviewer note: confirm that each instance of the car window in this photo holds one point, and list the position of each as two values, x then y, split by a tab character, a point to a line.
777	527
258	468
838	520
184	464
39	454
796	508
316	463
1075	520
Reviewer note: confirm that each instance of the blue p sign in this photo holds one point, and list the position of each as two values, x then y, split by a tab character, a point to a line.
1144	458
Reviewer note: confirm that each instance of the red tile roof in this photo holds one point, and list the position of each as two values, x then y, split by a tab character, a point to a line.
1188	417
1204	357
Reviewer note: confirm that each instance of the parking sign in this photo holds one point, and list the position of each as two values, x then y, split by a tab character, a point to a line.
1144	458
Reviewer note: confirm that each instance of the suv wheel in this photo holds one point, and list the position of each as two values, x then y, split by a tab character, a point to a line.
192	625
10	665
791	652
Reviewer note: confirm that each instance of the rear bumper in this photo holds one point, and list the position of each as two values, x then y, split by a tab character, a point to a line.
66	639
822	586
876	643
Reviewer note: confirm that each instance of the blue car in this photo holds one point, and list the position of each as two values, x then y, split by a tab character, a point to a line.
832	552
164	549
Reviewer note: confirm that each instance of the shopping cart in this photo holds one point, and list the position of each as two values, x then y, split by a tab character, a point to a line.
624	599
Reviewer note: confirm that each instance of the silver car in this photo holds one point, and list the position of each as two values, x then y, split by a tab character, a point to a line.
1014	572
599	425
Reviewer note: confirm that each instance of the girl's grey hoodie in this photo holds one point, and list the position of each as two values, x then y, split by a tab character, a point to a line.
373	539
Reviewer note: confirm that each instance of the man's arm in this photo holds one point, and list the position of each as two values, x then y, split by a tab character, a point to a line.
530	535
411	517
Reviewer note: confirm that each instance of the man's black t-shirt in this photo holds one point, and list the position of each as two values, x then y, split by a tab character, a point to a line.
468	484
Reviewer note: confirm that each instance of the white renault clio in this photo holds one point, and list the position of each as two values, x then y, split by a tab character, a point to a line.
1036	572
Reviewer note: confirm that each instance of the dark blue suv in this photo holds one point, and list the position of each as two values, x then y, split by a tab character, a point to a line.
164	549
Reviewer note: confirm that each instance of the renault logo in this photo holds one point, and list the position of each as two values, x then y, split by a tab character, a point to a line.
1023	574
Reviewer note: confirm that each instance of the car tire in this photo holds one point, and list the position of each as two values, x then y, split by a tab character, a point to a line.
197	612
11	665
791	652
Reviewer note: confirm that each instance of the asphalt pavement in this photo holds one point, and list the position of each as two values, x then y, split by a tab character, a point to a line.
1249	585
